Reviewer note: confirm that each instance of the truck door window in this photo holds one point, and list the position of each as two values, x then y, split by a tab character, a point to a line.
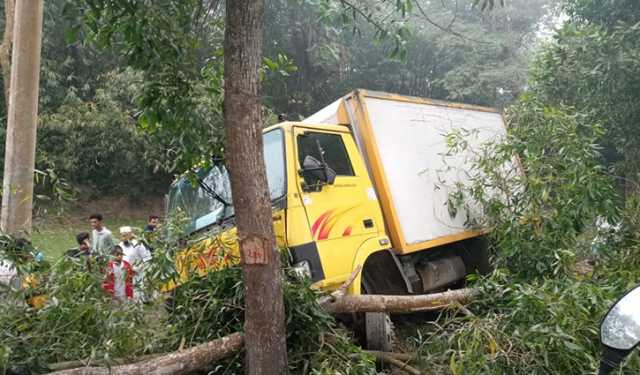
335	153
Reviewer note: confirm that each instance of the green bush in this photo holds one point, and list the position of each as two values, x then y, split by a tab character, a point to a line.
549	326
212	306
95	144
539	189
79	322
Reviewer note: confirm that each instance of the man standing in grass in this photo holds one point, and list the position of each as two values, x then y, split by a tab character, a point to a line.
101	238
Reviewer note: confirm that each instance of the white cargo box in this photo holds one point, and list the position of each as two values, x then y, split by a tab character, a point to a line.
402	140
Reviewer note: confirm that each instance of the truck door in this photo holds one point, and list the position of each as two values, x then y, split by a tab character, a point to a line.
344	214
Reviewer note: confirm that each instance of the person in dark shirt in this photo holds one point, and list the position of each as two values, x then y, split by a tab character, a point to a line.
83	251
150	234
152	224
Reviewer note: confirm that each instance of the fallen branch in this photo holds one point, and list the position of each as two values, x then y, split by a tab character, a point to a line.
176	363
399	356
342	290
397	304
58	366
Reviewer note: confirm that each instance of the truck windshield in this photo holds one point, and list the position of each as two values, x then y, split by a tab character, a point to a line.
206	197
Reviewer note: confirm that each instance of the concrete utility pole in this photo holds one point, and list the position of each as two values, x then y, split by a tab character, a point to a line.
20	150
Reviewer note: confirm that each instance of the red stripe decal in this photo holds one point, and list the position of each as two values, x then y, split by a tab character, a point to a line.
320	220
347	231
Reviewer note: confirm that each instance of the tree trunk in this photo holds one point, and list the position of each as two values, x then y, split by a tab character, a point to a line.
5	48
20	150
264	310
396	304
183	362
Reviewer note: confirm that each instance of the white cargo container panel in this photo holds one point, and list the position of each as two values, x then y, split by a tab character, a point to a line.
403	142
410	138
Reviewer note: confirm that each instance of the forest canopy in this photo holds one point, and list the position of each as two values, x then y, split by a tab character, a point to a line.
163	112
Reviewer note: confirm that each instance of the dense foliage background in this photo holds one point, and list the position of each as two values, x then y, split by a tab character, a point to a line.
107	129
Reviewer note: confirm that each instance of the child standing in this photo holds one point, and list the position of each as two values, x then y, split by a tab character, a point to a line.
119	280
137	255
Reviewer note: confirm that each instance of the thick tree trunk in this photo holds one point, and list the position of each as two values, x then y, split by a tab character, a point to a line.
20	150
264	309
5	48
183	362
396	304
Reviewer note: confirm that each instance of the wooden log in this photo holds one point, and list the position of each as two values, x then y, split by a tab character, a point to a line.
397	304
58	366
183	362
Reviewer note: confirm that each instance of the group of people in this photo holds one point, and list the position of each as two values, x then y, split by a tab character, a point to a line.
126	260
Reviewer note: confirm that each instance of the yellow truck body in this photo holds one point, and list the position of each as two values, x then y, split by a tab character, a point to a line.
384	208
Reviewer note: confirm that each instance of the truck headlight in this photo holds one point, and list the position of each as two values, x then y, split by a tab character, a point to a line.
302	269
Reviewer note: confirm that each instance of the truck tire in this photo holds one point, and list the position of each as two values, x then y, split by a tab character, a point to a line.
377	329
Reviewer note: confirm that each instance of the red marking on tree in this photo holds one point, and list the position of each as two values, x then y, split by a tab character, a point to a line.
253	251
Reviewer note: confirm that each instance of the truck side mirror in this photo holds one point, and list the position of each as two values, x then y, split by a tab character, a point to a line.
316	173
620	330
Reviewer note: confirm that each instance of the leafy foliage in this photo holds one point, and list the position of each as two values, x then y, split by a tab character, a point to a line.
448	52
538	196
592	66
548	326
96	144
81	322
595	71
212	306
608	13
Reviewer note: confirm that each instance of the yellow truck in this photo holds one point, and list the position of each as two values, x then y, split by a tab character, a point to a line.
363	182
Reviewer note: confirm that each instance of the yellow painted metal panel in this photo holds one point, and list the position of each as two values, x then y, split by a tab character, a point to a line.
336	214
417	100
440	241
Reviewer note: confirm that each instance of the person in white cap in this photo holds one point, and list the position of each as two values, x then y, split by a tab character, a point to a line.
136	254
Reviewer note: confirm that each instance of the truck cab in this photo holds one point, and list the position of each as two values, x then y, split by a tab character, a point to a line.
327	228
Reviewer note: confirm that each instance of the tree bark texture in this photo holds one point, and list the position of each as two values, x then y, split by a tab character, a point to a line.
264	310
5	48
20	150
397	304
183	362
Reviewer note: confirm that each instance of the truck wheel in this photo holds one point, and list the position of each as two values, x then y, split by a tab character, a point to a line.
378	331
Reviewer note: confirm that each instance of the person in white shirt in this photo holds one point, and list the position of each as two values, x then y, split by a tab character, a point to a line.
138	256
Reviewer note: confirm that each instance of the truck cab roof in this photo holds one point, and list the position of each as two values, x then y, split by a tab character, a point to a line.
288	125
